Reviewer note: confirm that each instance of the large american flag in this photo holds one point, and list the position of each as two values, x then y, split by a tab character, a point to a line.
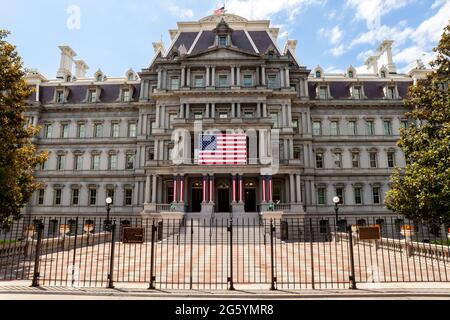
222	149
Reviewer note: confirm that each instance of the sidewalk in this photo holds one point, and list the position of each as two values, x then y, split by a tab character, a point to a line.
20	290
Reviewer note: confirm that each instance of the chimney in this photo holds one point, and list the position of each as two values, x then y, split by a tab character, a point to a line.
385	56
80	69
290	44
65	66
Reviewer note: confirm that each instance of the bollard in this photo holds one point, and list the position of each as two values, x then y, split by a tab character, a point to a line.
36	275
352	260
152	258
111	262
272	266
230	279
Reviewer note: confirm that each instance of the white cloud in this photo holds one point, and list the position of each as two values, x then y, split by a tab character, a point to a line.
438	3
338	51
365	54
398	33
333	69
180	12
265	9
372	10
431	29
334	34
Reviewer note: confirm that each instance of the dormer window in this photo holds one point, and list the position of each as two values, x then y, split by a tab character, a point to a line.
92	96
383	74
60	96
130	76
223	41
99	78
357	92
271	55
350	74
126	95
323	92
390	92
318	74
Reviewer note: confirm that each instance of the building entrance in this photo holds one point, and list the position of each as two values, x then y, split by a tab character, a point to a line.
250	200
196	200
223	200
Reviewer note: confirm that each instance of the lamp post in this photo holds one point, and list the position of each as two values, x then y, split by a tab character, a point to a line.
336	201
108	209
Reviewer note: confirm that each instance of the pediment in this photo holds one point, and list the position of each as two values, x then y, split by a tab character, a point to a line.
217	53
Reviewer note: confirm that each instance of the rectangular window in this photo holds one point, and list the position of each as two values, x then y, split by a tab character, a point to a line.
81	130
198	81
321	196
98	130
337	160
272	81
132	130
274	117
110	194
376	195
48	131
92	96
317	128
78	163
295	125
352	128
358	195
128	197
357	92
92	197
248	80
175	83
58	193
387	128
223	41
126	95
75	196
391	92
64	130
130	161
172	118
319	160
373	159
95	162
60	162
334	128
340	194
355	159
323	92
391	159
115	130
41	196
113	162
404	124
370	128
223	80
60	96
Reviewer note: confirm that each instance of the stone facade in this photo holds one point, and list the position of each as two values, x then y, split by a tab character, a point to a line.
311	135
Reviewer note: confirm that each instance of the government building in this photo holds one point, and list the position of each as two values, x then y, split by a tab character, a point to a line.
153	141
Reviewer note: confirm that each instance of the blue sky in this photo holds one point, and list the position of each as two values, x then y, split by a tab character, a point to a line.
116	35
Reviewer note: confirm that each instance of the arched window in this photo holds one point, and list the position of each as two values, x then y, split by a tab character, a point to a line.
350	74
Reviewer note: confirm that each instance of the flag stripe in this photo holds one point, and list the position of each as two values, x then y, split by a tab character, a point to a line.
223	149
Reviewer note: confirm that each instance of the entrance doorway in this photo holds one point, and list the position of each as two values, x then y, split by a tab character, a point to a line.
223	200
250	200
196	200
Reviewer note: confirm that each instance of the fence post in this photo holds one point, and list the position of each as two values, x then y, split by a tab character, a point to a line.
152	258
111	261
272	266
36	275
191	253
352	260
230	279
311	248
74	251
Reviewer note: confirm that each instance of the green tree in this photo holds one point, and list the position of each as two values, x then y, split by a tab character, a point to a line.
18	155
421	190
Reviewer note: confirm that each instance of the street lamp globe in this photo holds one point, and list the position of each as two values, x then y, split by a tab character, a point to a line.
108	200
336	200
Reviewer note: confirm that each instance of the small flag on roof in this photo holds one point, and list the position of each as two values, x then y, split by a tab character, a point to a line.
220	10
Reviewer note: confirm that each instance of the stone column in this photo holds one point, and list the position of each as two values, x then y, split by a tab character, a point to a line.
207	110
241	189
289	112
181	189
188	80
258	110
183	76
207	76
288	84
213	110
270	189
298	186
147	190
292	188
158	117
263	76
234	188
163	117
282	78
204	189
159	78
181	111
262	143
156	151
264	189
291	148
233	110
175	189
154	182
286	151
238	109
213	77
264	107
238	76
232	76
211	189
188	111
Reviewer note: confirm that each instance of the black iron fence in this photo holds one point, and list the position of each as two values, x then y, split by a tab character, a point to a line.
216	253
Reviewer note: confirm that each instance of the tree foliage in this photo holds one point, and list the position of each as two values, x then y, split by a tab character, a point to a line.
18	155
421	190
